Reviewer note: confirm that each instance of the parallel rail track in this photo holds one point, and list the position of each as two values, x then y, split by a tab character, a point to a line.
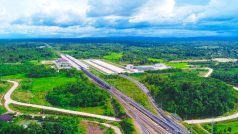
160	125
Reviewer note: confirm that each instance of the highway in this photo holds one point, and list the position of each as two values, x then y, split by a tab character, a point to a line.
148	122
8	100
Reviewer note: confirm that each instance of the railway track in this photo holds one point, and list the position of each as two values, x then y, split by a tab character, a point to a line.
145	118
169	118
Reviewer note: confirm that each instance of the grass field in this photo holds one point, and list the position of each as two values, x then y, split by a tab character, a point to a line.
14	77
4	86
128	88
39	88
156	60
229	127
113	56
196	129
179	65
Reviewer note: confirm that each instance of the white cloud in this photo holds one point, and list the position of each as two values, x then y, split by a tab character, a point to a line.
89	17
155	11
219	9
167	11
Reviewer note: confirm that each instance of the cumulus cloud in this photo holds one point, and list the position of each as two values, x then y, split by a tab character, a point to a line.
118	17
56	13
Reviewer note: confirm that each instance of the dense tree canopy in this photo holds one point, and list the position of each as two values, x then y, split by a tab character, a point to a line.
24	51
191	96
46	127
138	51
227	72
41	71
82	93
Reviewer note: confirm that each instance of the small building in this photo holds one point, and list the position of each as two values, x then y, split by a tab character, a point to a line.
6	117
62	64
157	66
224	60
160	66
130	67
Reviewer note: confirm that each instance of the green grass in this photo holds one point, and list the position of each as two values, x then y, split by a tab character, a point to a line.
4	86
128	88
181	65
178	65
223	126
113	56
2	109
40	87
25	110
156	60
14	77
196	129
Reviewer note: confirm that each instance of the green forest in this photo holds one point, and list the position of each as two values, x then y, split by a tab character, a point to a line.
178	90
78	94
58	126
22	52
191	96
227	72
141	52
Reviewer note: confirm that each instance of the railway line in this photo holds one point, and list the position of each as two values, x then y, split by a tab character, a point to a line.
167	117
144	118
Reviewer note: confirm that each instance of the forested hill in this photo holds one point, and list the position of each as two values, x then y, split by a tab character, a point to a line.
191	96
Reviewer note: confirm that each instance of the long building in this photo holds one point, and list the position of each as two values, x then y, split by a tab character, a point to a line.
76	62
104	67
98	67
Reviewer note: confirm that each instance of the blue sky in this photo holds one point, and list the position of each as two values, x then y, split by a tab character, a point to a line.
102	18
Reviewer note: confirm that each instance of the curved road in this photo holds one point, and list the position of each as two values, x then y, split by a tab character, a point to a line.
217	119
209	73
8	100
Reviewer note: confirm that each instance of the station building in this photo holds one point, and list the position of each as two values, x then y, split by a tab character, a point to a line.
62	64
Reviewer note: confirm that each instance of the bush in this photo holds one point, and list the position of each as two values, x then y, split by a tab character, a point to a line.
26	84
42	71
127	126
120	111
62	126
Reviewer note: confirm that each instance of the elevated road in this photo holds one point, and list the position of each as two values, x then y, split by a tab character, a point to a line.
148	122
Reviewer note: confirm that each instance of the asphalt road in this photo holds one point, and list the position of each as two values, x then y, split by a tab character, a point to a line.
209	73
8	100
